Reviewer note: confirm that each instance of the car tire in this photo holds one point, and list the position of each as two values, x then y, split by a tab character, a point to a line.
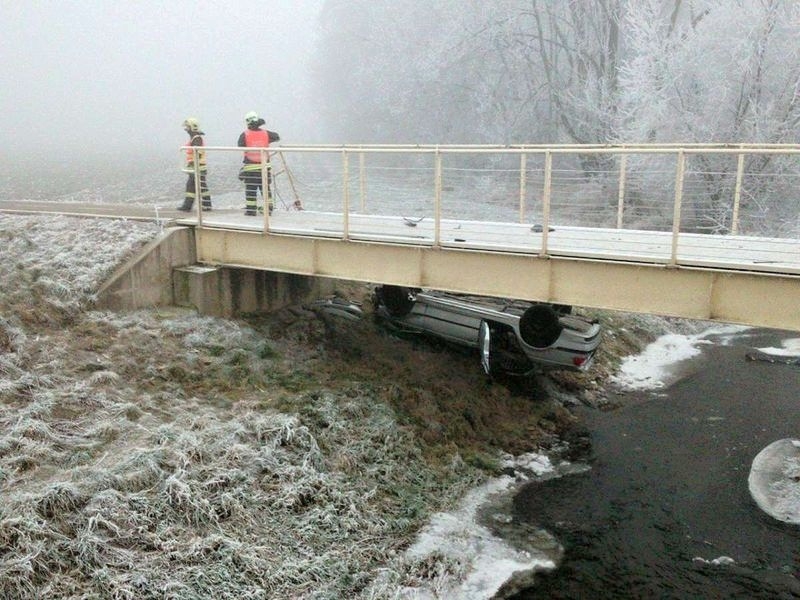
397	300
539	326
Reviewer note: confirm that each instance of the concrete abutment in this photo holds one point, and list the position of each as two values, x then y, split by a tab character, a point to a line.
166	273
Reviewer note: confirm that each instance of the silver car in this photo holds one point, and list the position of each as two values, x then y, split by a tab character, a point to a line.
512	336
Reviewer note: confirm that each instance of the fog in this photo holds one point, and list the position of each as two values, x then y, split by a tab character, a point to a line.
92	77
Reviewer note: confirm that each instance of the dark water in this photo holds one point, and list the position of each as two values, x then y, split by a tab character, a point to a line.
668	486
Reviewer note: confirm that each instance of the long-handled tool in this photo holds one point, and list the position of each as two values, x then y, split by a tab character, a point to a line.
298	205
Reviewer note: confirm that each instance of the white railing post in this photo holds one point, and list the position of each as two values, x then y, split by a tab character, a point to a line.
548	175
676	215
621	196
437	199
346	195
522	181
197	199
362	182
737	195
264	188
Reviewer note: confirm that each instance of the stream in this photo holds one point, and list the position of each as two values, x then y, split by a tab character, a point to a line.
664	511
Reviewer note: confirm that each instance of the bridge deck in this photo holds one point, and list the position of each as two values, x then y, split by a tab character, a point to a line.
764	255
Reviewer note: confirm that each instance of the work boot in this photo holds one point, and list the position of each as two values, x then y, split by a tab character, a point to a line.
249	213
206	207
185	207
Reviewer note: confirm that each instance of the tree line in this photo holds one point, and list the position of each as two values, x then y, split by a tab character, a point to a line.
542	71
569	71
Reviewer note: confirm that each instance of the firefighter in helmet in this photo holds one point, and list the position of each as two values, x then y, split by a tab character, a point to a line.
192	127
255	137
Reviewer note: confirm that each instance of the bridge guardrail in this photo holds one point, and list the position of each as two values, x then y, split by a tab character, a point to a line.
745	190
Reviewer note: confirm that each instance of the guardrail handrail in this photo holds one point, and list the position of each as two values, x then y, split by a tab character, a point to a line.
530	148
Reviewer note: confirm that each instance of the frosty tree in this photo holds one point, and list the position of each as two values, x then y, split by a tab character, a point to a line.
609	71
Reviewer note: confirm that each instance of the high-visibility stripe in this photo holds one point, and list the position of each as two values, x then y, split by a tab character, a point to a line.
249	167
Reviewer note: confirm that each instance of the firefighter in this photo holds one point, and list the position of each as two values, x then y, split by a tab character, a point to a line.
192	127
250	173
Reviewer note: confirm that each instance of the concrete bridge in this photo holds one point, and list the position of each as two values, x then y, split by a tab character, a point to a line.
697	231
591	226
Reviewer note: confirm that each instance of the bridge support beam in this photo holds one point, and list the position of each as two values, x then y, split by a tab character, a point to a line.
768	300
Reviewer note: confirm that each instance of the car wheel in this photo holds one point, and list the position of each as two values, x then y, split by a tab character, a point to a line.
397	300
539	326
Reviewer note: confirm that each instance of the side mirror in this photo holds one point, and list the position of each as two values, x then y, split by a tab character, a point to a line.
485	340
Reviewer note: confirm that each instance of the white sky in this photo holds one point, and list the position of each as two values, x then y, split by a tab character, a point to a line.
93	74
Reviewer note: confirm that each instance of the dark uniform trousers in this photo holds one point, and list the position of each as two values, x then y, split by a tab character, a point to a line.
252	185
191	191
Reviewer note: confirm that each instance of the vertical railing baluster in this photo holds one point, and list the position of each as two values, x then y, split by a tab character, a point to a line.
437	199
265	187
548	174
676	216
623	163
522	182
737	195
197	199
362	182
346	195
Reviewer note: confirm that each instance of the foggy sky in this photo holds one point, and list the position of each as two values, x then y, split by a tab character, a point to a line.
97	74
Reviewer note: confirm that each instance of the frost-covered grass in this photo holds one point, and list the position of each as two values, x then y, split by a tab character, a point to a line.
51	266
160	454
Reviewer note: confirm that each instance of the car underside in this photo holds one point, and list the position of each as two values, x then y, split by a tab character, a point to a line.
512	336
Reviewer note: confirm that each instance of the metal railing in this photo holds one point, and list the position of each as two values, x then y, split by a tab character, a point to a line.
717	189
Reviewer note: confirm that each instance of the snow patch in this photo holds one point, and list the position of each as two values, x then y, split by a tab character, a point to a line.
488	560
528	464
653	367
721	561
790	347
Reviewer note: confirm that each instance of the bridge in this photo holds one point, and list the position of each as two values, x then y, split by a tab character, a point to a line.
698	231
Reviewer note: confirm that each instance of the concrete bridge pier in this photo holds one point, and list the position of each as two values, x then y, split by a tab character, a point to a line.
227	292
166	273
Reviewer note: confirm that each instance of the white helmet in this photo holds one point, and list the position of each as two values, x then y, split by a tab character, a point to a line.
191	124
251	117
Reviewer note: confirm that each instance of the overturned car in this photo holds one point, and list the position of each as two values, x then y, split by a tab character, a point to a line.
512	336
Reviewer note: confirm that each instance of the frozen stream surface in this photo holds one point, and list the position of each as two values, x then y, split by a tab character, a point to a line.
663	509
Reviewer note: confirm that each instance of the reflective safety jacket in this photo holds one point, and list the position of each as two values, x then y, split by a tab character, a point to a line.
255	138
197	140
